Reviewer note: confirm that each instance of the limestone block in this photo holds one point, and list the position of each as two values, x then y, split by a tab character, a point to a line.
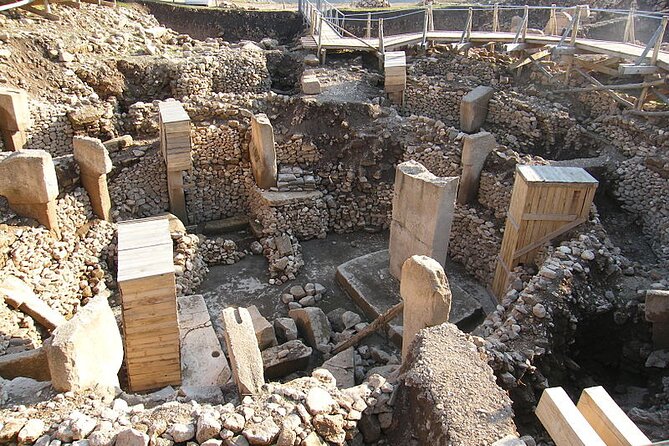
263	152
91	155
423	206
20	296
203	363
474	108
28	177
31	363
87	350
311	84
313	324
427	297
264	330
285	359
475	150
657	306
243	351
14	110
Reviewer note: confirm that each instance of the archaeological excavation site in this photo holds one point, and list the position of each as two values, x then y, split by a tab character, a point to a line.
312	224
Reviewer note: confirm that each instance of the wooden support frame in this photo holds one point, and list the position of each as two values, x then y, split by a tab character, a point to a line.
608	420
467	31
594	81
42	13
381	38
495	18
630	33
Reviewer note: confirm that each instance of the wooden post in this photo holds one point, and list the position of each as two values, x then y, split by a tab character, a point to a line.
630	32
495	18
553	20
426	19
526	20
574	31
368	31
653	61
320	34
381	43
431	17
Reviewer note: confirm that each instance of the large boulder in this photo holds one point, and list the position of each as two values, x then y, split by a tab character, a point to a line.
87	350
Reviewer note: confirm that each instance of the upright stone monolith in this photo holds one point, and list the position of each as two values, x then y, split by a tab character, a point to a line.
475	150
474	109
423	206
94	164
14	118
427	297
28	181
263	152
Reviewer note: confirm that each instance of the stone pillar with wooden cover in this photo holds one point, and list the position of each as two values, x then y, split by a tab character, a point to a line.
395	71
546	202
175	145
146	280
14	118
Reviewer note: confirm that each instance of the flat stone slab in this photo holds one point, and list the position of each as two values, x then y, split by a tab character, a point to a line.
275	199
203	363
367	280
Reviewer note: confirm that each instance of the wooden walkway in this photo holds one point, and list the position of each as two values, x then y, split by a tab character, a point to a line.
330	40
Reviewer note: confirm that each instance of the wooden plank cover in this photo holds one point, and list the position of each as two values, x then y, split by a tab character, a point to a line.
565	424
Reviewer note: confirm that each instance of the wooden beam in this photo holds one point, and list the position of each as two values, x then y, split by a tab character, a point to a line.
41	13
511	47
608	420
565	424
532	58
629	69
617	98
380	321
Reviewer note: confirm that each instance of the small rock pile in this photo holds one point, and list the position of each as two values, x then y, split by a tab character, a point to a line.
189	264
310	411
219	251
51	130
284	255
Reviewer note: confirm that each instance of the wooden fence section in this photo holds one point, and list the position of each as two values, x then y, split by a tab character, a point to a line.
595	421
148	296
546	201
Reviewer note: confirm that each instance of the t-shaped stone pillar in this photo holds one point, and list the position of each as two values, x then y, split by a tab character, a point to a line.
427	297
14	118
423	206
94	164
243	350
474	109
262	151
28	181
475	150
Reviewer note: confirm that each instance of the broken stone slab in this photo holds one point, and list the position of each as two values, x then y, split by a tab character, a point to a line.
203	363
342	367
285	359
22	390
14	109
423	208
263	152
87	350
474	108
657	306
30	363
285	329
311	84
475	150
243	351
427	297
313	324
91	155
20	296
264	330
118	142
28	181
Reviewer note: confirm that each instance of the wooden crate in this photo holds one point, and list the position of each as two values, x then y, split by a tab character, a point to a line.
175	139
148	299
546	201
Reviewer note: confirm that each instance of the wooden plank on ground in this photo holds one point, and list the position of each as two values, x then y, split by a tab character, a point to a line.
563	421
608	420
